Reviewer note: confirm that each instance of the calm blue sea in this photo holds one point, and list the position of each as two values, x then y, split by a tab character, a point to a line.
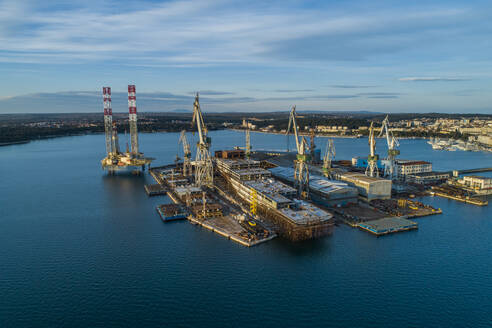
82	249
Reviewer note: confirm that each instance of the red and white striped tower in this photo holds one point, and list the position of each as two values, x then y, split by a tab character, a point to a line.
108	119
132	109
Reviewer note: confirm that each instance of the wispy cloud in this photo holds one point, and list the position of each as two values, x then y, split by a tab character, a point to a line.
91	101
432	79
213	32
211	93
350	86
293	90
383	97
380	94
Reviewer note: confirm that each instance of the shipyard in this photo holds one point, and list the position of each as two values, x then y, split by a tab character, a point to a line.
270	163
252	196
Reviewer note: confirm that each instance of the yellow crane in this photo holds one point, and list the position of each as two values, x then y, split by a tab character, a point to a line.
301	169
186	153
204	174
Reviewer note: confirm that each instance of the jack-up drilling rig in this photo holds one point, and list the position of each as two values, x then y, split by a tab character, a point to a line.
186	154
389	169
328	158
301	170
204	174
115	160
372	159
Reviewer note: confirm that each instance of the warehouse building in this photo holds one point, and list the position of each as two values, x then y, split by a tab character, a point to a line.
369	188
322	190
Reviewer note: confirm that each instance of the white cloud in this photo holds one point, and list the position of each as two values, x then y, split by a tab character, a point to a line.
431	79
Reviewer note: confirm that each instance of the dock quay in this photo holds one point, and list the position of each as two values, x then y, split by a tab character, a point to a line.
386	216
154	189
460	172
459	194
404	208
464	199
389	225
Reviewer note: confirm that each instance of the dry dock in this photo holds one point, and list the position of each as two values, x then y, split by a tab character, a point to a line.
218	214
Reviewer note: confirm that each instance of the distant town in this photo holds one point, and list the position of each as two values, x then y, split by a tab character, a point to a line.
470	131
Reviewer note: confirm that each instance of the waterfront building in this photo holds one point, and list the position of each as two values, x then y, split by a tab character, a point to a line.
479	184
405	168
425	178
369	187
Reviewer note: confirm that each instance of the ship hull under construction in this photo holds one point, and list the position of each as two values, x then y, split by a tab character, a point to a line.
285	225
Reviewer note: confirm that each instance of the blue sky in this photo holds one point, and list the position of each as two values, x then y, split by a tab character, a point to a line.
385	56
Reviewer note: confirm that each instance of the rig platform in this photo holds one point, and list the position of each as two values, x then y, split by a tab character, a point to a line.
172	212
386	226
155	189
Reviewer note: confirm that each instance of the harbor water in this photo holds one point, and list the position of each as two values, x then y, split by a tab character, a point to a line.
79	248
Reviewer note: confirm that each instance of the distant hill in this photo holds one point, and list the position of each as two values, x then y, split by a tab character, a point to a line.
180	110
365	112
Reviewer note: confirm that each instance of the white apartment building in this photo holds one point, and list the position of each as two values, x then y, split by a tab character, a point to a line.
409	167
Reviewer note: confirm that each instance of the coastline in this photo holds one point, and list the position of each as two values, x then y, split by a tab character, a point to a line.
304	134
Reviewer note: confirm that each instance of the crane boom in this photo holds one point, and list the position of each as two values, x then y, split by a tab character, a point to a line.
184	142
198	119
203	162
372	159
329	156
293	123
392	147
301	169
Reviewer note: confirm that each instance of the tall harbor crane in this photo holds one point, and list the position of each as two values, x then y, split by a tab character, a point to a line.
328	158
389	170
372	159
186	153
301	170
204	173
